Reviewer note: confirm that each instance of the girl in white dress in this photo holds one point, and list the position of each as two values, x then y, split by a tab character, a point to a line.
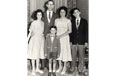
36	43
63	29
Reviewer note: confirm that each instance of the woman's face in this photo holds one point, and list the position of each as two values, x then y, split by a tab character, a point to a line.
39	15
62	13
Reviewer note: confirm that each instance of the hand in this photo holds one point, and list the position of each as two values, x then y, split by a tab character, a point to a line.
45	55
86	45
87	49
58	37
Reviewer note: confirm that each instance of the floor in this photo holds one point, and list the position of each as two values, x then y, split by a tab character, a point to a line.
68	73
55	74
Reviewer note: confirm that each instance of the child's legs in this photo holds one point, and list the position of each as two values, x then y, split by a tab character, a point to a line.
64	68
37	63
50	65
33	64
60	66
54	64
60	63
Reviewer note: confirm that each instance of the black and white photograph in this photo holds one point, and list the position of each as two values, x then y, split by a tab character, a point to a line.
57	38
57	34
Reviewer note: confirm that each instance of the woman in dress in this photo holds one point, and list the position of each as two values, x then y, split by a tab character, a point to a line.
63	25
36	43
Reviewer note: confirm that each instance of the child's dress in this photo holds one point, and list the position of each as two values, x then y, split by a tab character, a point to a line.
36	44
52	47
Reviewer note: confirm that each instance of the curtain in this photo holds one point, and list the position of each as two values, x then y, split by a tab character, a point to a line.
59	3
71	4
39	4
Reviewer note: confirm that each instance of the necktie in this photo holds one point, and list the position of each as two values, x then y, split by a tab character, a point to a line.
77	23
50	15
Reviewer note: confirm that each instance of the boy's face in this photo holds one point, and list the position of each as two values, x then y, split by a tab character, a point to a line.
50	5
76	13
53	31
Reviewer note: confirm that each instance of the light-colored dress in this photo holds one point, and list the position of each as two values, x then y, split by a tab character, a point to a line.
62	27
36	44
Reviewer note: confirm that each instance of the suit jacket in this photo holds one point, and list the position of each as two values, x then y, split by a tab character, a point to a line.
80	35
47	24
52	46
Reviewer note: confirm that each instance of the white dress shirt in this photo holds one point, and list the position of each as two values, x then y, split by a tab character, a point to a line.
77	22
49	18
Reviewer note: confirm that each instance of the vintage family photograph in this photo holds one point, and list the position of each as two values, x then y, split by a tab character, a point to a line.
57	34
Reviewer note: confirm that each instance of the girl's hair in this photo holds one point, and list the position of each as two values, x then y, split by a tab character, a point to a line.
34	14
62	8
53	27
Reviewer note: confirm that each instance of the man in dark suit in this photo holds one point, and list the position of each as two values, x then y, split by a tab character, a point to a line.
49	16
78	38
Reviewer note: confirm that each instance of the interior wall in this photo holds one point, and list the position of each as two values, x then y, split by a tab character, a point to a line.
83	6
38	4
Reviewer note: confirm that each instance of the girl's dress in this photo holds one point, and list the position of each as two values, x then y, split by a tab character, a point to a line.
36	44
62	27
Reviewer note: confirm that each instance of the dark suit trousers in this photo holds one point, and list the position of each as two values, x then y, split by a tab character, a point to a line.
80	50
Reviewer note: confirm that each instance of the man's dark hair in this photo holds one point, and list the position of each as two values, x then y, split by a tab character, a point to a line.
47	3
72	11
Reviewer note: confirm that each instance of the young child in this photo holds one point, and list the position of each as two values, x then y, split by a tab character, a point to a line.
36	43
52	48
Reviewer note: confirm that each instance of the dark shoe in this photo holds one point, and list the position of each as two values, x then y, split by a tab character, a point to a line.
72	69
53	74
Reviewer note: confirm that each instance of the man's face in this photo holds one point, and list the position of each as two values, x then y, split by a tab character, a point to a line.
50	5
76	13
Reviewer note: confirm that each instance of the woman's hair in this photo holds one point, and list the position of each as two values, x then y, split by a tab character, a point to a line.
34	14
53	27
62	8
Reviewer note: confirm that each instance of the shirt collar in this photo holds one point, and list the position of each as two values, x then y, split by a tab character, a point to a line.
78	19
49	11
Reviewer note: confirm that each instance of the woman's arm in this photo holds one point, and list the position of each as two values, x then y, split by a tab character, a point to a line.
29	35
30	31
45	47
59	48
